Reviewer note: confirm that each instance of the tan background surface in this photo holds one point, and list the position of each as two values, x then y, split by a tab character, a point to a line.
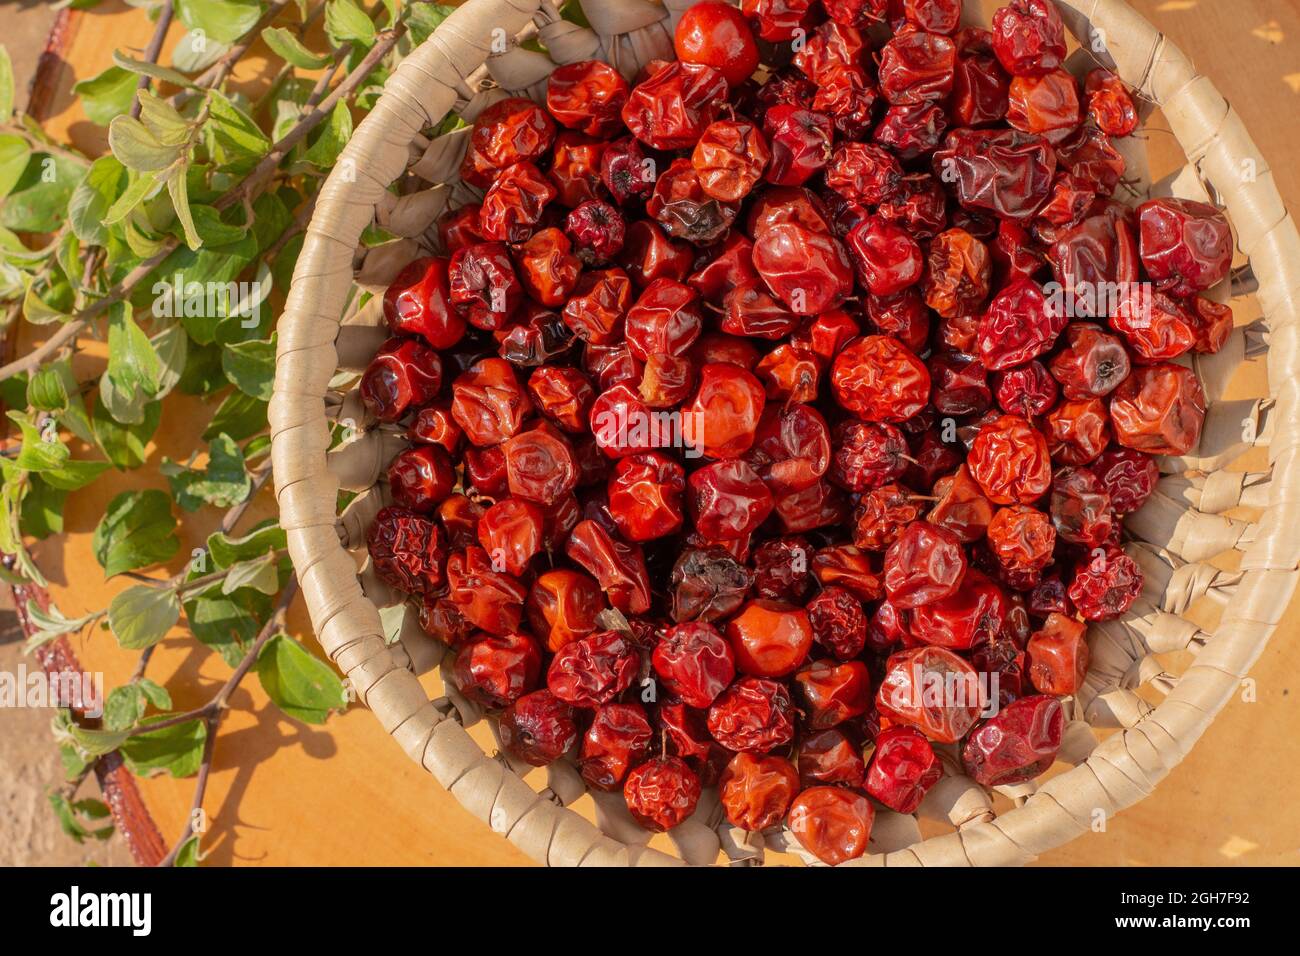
283	793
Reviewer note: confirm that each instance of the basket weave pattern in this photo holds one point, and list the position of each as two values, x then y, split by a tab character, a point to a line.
1117	743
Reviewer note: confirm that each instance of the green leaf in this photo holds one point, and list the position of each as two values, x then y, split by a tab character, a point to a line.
227	625
288	47
194	57
125	445
237	142
423	18
72	475
42	509
251	367
67	813
133	363
72	761
330	137
171	345
345	21
107	95
49	623
177	750
6	86
14	154
145	68
137	530
137	190
38	202
178	190
41	448
96	743
240	416
212	229
93	197
163	120
47	391
155	694
261	574
123	707
39	312
221	20
223	483
137	148
227	551
189	854
141	615
300	684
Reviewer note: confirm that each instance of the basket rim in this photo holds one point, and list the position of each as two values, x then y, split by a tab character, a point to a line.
1121	771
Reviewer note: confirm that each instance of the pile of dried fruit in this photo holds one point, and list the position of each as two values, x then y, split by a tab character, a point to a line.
773	352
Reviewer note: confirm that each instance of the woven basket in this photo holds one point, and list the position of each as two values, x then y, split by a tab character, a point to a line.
1118	743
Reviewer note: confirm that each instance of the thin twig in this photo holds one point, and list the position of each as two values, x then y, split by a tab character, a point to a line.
215	709
152	51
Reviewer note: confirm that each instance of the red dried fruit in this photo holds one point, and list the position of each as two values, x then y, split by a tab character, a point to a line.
756	792
1105	585
420	478
671	108
418	302
1158	409
404	374
593	670
1109	103
723	417
645	496
834	692
970	616
1029	37
587	96
879	379
488	402
509	131
695	663
833	825
514	202
487	598
1019	324
800	141
838	622
925	564
497	670
933	690
1058	656
886	256
770	638
685	210
903	769
406	550
1017	744
562	606
1186	246
662	792
538	728
618	568
483	285
1010	461
618	738
717	35
728	500
1129	477
753	715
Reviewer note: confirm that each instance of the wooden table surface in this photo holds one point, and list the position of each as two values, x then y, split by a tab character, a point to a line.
284	793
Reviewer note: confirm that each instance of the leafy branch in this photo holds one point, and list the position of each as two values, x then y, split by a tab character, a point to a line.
174	250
